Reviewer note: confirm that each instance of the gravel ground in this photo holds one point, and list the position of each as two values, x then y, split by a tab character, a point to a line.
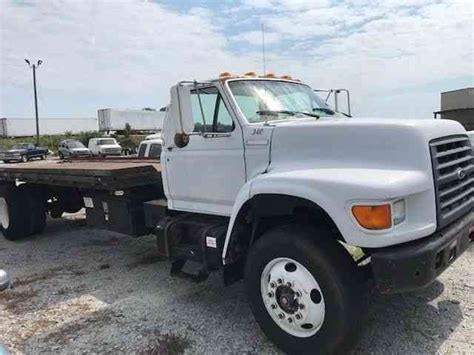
80	290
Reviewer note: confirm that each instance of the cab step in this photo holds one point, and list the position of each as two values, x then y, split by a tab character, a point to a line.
177	271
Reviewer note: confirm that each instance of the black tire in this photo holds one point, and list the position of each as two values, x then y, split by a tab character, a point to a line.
19	218
334	270
43	156
61	156
37	208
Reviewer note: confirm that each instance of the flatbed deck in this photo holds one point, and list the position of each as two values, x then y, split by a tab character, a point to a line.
102	174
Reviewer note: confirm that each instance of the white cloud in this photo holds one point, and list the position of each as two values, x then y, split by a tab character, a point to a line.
377	49
255	37
120	47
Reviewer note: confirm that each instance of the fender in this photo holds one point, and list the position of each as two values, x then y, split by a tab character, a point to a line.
335	190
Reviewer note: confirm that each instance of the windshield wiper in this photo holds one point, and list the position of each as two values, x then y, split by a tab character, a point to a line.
325	110
286	112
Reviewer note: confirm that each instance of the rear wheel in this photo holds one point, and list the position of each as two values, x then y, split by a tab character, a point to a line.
15	217
304	290
37	208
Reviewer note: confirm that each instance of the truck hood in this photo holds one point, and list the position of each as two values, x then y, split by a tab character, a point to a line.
357	143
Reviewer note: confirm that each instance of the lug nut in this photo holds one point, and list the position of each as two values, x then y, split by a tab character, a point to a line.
298	316
280	281
298	294
281	315
270	294
290	320
272	284
301	306
289	284
273	306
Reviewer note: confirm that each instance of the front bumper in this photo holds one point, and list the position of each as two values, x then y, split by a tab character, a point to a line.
416	264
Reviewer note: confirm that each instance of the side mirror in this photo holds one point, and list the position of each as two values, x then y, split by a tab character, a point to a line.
180	108
4	280
181	140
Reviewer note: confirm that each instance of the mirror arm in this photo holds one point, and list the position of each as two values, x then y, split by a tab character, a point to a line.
200	106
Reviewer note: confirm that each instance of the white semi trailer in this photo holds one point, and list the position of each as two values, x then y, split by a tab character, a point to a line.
139	120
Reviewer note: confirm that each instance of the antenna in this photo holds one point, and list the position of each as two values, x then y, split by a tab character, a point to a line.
263	49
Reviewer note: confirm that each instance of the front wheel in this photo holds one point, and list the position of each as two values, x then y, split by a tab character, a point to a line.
304	290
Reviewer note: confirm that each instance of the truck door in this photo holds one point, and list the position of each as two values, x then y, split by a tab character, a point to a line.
206	175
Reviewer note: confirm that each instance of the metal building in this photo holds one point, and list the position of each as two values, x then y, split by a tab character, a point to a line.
458	105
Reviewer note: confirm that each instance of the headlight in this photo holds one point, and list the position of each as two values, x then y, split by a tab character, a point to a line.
378	217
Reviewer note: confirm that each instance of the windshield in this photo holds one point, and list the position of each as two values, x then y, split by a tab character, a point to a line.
75	144
266	100
106	141
20	146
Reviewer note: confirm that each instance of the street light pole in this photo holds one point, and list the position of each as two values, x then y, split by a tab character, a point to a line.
34	66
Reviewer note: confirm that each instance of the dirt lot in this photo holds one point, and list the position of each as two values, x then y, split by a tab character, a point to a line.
79	290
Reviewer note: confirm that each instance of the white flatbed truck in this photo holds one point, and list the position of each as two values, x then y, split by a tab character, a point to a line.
258	177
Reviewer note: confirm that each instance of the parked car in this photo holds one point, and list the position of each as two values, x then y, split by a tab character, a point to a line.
103	147
71	148
153	136
150	148
23	152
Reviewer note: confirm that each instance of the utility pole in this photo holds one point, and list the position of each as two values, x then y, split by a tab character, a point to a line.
263	50
34	66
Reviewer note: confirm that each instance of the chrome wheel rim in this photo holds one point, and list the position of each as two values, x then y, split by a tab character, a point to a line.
4	217
292	297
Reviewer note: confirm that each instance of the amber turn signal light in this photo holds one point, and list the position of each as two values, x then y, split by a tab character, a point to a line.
373	217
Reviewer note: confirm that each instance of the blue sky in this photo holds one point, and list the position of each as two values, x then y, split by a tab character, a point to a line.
394	56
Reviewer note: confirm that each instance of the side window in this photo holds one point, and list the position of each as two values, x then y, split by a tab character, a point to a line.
142	150
155	151
216	115
31	146
208	98
223	121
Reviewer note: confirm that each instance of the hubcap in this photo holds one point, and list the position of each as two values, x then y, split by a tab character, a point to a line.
4	218
292	297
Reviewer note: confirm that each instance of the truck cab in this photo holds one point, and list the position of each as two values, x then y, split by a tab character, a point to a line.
299	184
150	148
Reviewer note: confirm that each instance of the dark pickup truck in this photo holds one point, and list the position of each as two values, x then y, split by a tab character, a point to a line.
23	152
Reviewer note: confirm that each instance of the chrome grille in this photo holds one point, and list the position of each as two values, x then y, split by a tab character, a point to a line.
453	168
